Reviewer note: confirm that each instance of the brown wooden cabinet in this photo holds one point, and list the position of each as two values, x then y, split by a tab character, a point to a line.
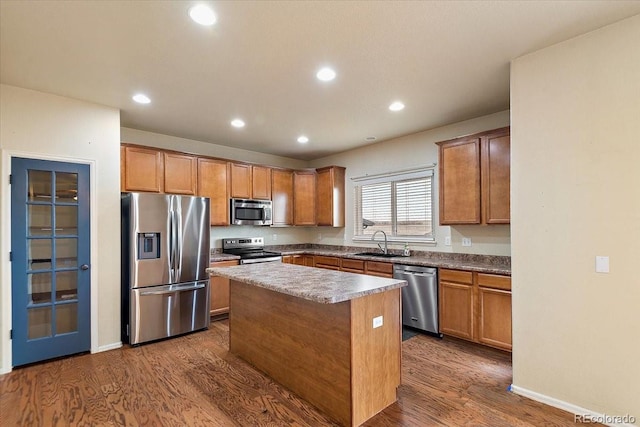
352	265
494	310
476	307
157	171
143	169
304	197
330	196
250	181
456	303
180	172
300	259
260	182
474	179
282	196
377	268
327	262
220	290
240	180
213	182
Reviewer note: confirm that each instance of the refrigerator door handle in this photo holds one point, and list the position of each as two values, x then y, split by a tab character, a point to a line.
174	289
172	248
179	237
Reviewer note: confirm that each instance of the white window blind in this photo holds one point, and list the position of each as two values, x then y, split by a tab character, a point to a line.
400	204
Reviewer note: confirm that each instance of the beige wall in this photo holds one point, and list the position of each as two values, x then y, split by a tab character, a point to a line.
414	151
576	194
42	125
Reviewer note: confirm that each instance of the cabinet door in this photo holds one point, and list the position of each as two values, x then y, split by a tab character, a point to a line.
261	182
460	182
240	181
309	260
213	182
282	196
456	309
496	169
220	290
287	259
180	171
494	322
380	269
304	198
144	170
330	196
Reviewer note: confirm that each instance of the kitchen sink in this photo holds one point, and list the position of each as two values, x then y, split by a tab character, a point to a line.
378	254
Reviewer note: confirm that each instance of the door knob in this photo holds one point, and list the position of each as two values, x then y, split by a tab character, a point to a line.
84	267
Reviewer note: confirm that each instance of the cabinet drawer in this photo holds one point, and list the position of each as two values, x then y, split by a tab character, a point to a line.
374	267
494	281
327	261
352	264
456	276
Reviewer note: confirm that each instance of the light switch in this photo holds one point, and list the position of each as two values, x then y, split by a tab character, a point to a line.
602	264
447	241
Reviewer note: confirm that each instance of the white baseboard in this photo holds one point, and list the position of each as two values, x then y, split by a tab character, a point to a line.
108	347
569	407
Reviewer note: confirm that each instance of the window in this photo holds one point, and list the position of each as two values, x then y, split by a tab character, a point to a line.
400	204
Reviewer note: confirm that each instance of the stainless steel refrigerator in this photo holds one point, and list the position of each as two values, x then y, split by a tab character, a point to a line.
165	252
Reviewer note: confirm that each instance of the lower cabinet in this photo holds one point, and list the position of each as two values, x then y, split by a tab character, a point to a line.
476	307
327	262
220	290
306	260
380	269
352	265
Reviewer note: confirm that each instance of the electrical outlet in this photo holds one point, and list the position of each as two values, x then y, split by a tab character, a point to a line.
377	322
466	241
447	241
275	237
319	236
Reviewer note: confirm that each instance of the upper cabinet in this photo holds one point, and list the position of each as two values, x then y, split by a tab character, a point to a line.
474	179
330	196
282	196
157	171
180	172
250	181
304	197
213	182
143	169
260	182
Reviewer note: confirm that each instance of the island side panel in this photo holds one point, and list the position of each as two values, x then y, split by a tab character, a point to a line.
376	353
301	344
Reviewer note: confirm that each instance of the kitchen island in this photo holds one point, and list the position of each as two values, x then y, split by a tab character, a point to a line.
331	337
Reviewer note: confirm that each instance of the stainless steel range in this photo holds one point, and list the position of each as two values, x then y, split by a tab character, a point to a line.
250	250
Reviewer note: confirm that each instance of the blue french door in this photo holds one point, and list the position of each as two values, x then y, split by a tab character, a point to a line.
50	250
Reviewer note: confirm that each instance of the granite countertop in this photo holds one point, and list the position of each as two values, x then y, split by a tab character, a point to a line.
313	284
481	264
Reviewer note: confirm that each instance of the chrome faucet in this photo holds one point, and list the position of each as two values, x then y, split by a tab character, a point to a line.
384	251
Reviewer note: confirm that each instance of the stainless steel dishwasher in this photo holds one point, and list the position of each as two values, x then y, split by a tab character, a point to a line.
420	297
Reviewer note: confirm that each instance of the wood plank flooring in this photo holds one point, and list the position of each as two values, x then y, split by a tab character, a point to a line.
194	381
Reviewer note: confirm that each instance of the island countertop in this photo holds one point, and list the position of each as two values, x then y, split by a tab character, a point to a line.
313	284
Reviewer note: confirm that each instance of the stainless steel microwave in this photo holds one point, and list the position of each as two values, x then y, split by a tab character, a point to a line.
251	212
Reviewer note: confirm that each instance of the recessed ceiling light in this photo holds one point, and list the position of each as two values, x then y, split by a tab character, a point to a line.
202	14
396	106
326	74
370	138
303	139
141	98
237	123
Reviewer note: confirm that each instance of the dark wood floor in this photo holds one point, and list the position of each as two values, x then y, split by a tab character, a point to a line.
194	381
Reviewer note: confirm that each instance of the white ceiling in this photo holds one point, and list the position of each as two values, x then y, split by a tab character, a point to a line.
446	60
